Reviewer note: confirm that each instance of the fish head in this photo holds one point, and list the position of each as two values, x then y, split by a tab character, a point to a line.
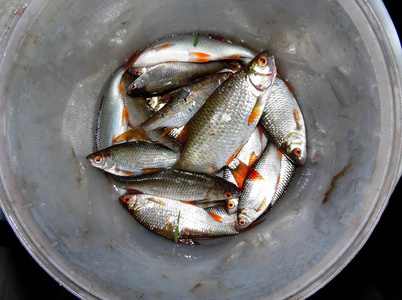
138	86
245	218
231	206
261	71
295	148
137	71
102	159
128	201
223	191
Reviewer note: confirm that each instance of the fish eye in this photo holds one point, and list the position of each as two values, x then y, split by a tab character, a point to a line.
230	204
98	159
227	194
133	87
241	222
137	72
297	152
262	61
127	200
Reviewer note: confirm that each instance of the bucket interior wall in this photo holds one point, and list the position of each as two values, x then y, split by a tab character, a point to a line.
53	96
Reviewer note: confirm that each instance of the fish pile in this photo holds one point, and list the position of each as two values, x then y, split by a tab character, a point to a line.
201	133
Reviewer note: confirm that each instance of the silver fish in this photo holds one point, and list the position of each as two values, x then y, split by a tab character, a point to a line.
180	185
133	158
192	47
259	187
171	75
282	121
111	119
228	117
176	220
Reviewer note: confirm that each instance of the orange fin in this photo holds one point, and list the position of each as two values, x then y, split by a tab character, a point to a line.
161	47
200	57
158	201
262	205
167	130
182	137
152	170
296	115
240	173
280	155
254	175
125	173
234	155
137	132
125	116
235	57
215	216
253	158
257	111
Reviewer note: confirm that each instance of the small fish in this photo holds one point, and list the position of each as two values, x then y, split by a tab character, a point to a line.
224	123
282	121
184	103
133	158
259	187
176	220
171	75
180	185
192	47
112	118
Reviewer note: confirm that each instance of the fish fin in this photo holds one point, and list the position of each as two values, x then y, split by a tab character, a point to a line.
240	173
124	172
190	242
200	57
131	60
137	132
161	47
219	38
215	216
253	158
125	116
234	57
257	111
152	170
157	201
182	137
254	175
261	205
297	118
231	158
280	155
166	131
279	178
133	192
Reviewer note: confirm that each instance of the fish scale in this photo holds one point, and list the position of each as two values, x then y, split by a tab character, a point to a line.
161	215
221	125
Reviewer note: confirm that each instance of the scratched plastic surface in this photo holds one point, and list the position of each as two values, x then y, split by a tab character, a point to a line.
68	214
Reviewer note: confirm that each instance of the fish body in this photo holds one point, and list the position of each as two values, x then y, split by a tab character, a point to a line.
181	185
176	220
111	118
228	117
133	158
138	110
171	75
192	47
283	122
259	187
288	169
180	109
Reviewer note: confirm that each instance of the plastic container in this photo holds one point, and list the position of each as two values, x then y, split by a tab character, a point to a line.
342	59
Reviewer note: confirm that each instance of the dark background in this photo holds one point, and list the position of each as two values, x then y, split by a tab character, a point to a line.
374	274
